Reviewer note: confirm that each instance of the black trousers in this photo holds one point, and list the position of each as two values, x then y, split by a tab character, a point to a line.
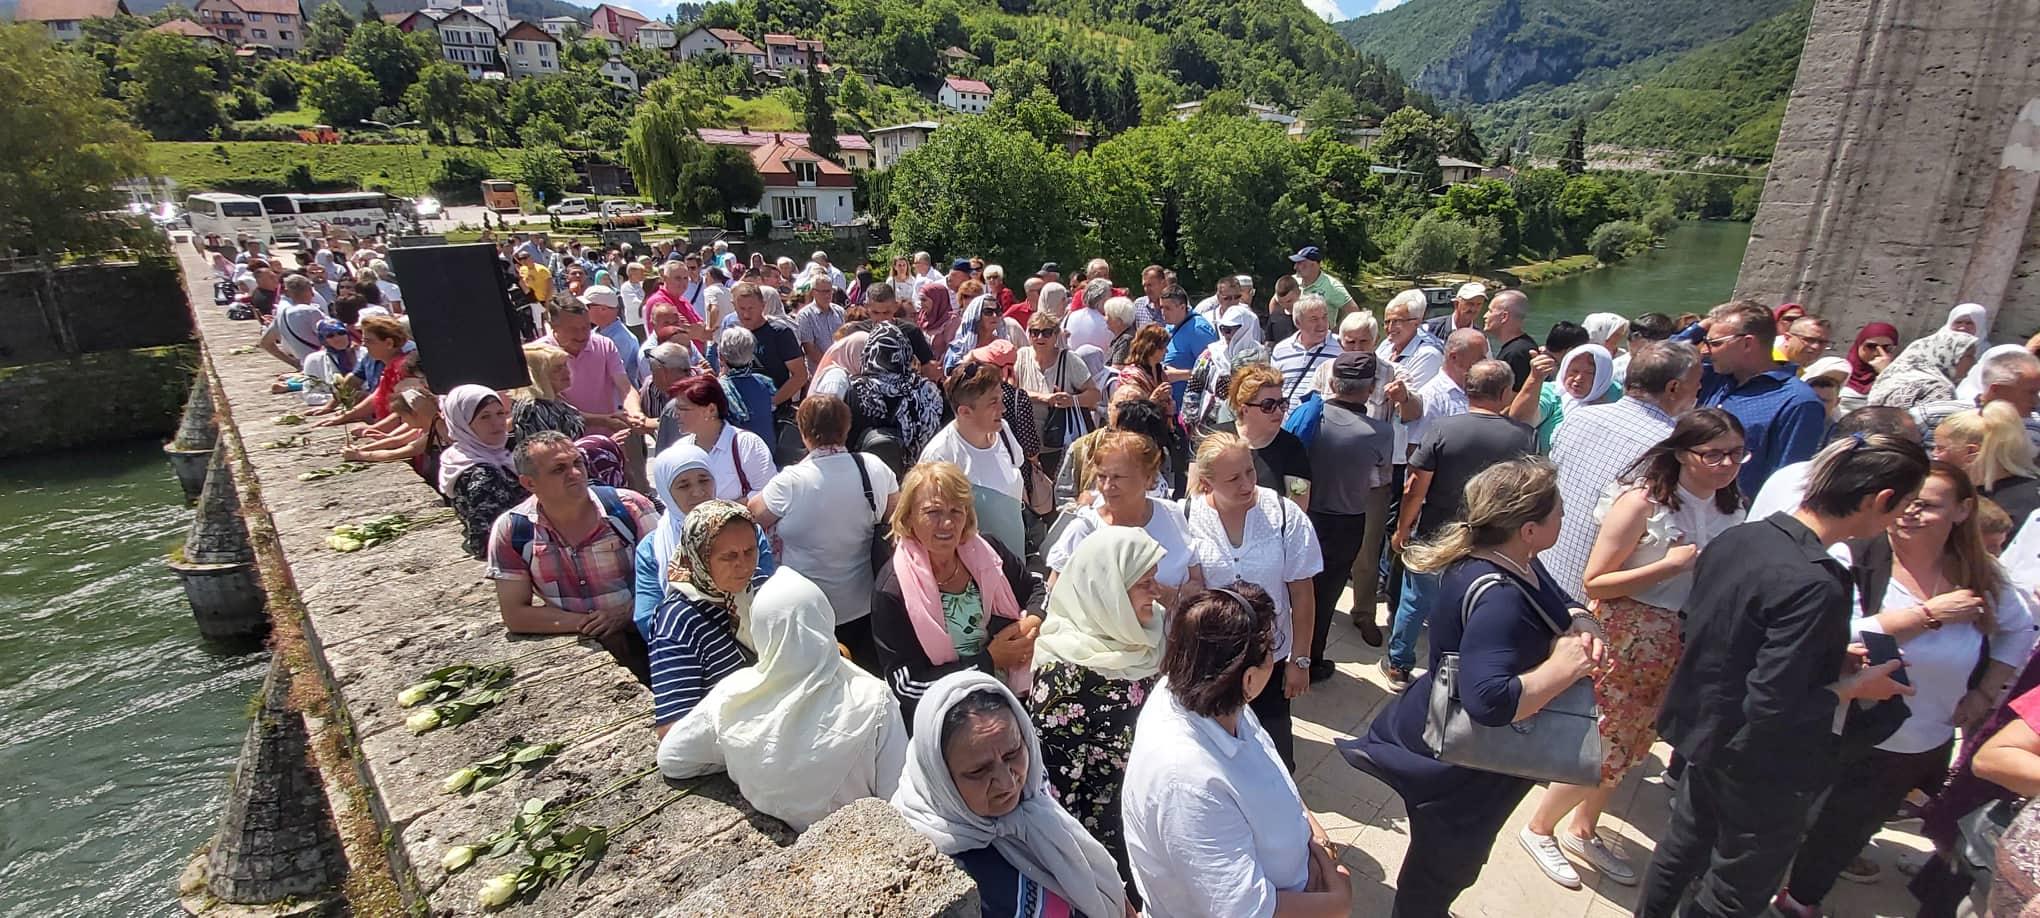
1391	563
628	648
1445	857
1733	832
1339	537
1868	792
855	636
1271	708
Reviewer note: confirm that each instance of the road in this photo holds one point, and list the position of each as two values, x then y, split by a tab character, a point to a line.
471	214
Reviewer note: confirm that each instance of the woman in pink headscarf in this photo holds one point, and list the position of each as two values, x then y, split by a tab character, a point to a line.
936	315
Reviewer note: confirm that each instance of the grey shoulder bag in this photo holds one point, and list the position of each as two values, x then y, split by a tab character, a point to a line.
1560	743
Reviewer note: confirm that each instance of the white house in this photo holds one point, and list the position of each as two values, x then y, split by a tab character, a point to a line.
801	187
616	71
65	19
787	52
890	143
495	12
530	51
1453	171
961	95
1187	110
703	40
278	25
470	41
656	35
558	25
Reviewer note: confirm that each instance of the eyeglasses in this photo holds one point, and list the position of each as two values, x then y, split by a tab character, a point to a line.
1041	333
1711	343
1816	343
1268	405
1716	458
1403	320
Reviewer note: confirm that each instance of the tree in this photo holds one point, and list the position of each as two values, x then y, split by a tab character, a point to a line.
326	32
171	85
439	99
546	171
1487	198
660	141
1617	239
281	82
1585	204
821	116
381	49
1574	162
1036	114
64	152
1436	243
975	187
1412	140
1461	140
341	92
854	98
1332	110
718	182
543	131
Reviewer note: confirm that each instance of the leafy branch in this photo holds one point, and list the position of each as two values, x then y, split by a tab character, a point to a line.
348	537
482	774
332	471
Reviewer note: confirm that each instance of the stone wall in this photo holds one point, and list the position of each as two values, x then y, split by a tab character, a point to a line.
105	397
368	623
1892	168
83	309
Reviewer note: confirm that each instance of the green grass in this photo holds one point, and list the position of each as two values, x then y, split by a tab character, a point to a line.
1539	272
401	169
295	117
765	113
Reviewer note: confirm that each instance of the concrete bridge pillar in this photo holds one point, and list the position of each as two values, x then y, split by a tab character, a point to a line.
191	449
217	566
277	846
1903	183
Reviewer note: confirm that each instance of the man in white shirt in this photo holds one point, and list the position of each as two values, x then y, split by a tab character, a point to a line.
295	332
1408	358
632	293
818	264
1445	395
1298	356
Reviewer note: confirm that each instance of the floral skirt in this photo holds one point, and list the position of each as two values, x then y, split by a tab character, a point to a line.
1643	642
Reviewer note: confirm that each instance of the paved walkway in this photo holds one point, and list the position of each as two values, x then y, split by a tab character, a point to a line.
1366	819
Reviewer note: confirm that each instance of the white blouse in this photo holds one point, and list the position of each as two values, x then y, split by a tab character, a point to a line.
1939	663
1165	523
1277	547
1697	521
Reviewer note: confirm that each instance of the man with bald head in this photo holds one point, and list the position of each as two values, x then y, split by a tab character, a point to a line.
1512	345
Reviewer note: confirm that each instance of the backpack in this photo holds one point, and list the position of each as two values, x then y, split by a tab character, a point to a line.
614	512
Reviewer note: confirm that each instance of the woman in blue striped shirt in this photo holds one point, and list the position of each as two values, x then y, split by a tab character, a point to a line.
699	633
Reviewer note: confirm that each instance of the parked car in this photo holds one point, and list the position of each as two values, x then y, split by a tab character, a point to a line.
569	207
428	208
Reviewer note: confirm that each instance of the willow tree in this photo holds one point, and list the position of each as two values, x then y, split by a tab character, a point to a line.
64	152
661	140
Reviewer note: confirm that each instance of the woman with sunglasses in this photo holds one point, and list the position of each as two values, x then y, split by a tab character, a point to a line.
1281	462
1060	385
1875	345
1654	521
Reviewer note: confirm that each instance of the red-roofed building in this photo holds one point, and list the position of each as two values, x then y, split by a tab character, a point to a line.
189	29
705	40
801	187
962	95
855	152
623	22
65	19
787	52
278	25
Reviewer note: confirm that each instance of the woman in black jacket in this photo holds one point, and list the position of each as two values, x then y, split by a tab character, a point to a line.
950	599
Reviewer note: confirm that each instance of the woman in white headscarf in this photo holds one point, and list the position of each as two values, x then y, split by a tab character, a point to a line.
1969	319
1610	331
682	481
475	474
843	360
803	731
1585	377
1094	664
974	786
1926	370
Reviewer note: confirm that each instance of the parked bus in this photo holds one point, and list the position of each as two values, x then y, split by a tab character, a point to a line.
294	216
227	216
500	196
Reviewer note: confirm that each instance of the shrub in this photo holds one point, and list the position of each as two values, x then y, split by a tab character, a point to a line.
1436	243
1618	239
761	226
459	178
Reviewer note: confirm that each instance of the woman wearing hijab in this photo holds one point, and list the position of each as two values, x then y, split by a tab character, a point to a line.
335	360
1926	370
802	732
981	325
974	786
1970	319
936	316
1871	353
1586	376
1783	317
682	479
474	472
701	631
843	360
888	394
1094	665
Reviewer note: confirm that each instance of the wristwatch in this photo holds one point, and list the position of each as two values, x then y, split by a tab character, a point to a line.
1300	661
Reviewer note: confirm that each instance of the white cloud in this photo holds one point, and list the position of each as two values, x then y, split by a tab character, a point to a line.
1328	10
1383	6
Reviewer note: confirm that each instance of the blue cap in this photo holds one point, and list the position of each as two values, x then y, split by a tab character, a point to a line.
1307	253
961	264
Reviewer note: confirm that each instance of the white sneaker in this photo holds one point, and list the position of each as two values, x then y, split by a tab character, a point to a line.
1605	860
1545	851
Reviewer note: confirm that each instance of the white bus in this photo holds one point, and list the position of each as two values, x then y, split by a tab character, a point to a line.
360	213
227	216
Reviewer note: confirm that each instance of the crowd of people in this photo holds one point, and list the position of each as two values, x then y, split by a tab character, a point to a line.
1046	564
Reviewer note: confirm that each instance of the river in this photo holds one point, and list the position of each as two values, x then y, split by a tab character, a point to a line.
119	726
1693	272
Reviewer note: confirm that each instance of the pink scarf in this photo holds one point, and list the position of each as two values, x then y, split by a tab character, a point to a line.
924	602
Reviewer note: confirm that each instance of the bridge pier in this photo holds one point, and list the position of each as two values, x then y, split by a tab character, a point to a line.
217	566
190	451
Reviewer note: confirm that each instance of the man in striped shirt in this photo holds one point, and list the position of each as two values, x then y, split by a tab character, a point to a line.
1298	356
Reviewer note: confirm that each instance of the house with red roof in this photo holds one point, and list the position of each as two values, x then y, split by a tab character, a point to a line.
788	52
705	40
189	29
620	21
855	153
65	19
963	95
801	187
531	51
278	25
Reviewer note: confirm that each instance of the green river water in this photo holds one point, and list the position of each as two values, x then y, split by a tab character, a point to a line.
119	725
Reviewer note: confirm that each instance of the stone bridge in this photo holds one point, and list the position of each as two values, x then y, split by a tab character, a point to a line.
336	803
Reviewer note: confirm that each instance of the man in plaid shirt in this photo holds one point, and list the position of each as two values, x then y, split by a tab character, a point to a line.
572	548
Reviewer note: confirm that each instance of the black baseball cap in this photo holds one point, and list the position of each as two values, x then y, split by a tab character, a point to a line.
1049	267
1354	365
1307	253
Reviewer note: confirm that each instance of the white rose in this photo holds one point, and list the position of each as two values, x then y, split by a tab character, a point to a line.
458	857
422	721
412	696
498	891
458	781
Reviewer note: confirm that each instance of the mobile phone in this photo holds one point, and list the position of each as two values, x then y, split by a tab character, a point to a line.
1884	647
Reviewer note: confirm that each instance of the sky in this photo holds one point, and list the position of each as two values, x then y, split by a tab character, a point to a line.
1335	10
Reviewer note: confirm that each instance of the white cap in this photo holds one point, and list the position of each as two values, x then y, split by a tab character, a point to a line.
602	294
1827	366
1471	290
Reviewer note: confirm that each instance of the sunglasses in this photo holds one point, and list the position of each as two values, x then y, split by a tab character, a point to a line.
1041	333
1268	405
1880	346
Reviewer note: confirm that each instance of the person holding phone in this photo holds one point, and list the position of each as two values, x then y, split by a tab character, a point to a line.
1947	605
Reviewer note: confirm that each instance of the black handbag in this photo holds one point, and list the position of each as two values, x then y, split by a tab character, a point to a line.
881	531
1064	425
1560	743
